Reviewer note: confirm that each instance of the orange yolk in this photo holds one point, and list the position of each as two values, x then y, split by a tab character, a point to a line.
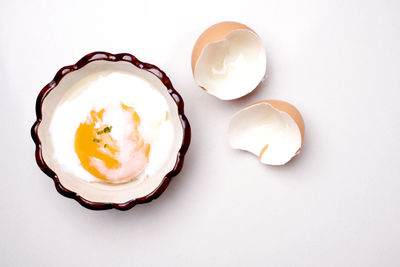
109	159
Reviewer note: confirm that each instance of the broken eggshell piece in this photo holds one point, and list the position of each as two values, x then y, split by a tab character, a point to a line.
273	130
228	60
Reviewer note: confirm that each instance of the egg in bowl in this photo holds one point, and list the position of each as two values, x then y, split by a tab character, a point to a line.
111	131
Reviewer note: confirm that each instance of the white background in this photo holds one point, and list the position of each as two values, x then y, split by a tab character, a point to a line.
336	204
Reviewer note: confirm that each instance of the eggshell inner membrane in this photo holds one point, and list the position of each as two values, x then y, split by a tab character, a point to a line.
232	67
267	132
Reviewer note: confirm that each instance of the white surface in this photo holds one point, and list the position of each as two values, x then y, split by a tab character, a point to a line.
336	204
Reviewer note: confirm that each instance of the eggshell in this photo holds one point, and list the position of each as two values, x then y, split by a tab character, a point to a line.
215	33
233	60
273	130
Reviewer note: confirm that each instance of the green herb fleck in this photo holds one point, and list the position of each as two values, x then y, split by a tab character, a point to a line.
107	129
96	140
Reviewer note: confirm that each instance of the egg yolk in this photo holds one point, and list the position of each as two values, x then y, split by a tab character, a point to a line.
108	158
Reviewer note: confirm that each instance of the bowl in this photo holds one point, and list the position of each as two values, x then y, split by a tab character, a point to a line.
102	195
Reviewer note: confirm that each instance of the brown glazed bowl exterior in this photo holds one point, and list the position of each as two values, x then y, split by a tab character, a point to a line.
154	70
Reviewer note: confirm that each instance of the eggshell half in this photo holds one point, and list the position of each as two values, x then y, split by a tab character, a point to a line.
273	130
228	60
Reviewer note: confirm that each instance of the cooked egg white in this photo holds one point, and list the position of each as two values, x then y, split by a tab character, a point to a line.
112	126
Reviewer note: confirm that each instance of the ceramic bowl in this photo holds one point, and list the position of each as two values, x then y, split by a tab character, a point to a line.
100	196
